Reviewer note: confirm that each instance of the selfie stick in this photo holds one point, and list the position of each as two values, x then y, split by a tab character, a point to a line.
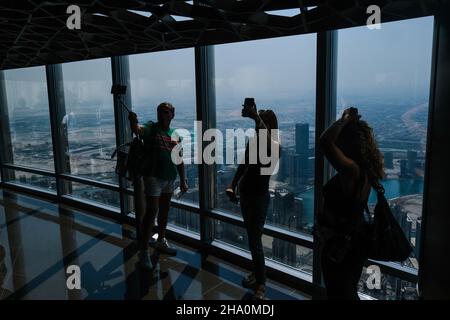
123	103
119	90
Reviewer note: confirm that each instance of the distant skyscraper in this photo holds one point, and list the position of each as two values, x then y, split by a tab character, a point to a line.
294	168
270	212
402	218
404	168
302	148
418	238
283	171
298	211
408	228
283	208
412	162
301	138
284	251
389	160
285	215
311	166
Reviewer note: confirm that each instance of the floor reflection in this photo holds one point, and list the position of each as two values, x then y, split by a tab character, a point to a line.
39	240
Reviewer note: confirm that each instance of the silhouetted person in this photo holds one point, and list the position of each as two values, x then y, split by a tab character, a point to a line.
350	147
159	183
254	196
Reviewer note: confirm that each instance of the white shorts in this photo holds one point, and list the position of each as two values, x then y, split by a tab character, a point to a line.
155	186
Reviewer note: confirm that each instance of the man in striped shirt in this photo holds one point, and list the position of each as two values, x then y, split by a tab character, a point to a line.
159	179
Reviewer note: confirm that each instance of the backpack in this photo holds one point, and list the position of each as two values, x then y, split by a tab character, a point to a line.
387	242
133	158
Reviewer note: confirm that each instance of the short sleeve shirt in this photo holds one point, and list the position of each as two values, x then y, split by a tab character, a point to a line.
158	145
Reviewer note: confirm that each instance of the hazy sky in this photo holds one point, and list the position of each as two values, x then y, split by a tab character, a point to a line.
392	61
396	58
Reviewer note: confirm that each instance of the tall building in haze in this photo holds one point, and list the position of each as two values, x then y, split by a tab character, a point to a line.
302	149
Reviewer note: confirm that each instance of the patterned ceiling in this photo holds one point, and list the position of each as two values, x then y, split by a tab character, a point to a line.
35	32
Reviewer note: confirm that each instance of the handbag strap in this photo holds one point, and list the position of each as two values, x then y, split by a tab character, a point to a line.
379	189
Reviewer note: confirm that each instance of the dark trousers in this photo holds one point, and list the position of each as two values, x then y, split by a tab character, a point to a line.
254	211
341	278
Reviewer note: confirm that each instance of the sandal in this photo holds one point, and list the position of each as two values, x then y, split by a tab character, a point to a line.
260	292
249	282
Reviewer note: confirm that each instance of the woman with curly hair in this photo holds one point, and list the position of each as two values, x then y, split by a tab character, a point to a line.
350	147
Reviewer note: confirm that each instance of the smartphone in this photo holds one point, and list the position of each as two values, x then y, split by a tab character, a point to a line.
248	102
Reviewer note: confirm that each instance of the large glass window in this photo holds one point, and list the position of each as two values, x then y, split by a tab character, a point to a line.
169	76
278	250
385	73
39	181
94	194
90	119
29	118
184	219
280	74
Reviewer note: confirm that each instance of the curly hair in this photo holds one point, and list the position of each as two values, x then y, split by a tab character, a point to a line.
358	142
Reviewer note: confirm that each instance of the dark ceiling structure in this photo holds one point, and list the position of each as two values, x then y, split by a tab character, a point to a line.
35	32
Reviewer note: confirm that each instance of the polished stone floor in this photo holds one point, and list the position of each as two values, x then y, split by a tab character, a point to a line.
40	239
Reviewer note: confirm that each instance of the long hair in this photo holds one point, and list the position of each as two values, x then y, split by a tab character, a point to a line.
271	123
357	141
269	118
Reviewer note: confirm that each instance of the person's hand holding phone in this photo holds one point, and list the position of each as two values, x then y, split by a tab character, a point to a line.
249	108
132	116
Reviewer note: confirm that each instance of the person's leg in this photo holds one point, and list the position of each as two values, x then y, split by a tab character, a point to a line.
245	203
152	192
254	211
148	222
164	205
163	215
334	274
355	266
341	279
260	212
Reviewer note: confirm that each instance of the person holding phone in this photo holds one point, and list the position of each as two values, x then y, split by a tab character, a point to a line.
350	146
254	195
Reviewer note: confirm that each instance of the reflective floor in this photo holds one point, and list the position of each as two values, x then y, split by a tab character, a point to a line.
39	240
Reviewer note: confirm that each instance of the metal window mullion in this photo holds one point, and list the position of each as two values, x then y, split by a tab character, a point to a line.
326	70
269	230
206	104
57	109
121	75
6	155
435	240
29	170
89	182
392	269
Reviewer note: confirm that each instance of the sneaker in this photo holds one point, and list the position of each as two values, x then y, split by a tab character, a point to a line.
249	282
152	240
163	246
144	260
